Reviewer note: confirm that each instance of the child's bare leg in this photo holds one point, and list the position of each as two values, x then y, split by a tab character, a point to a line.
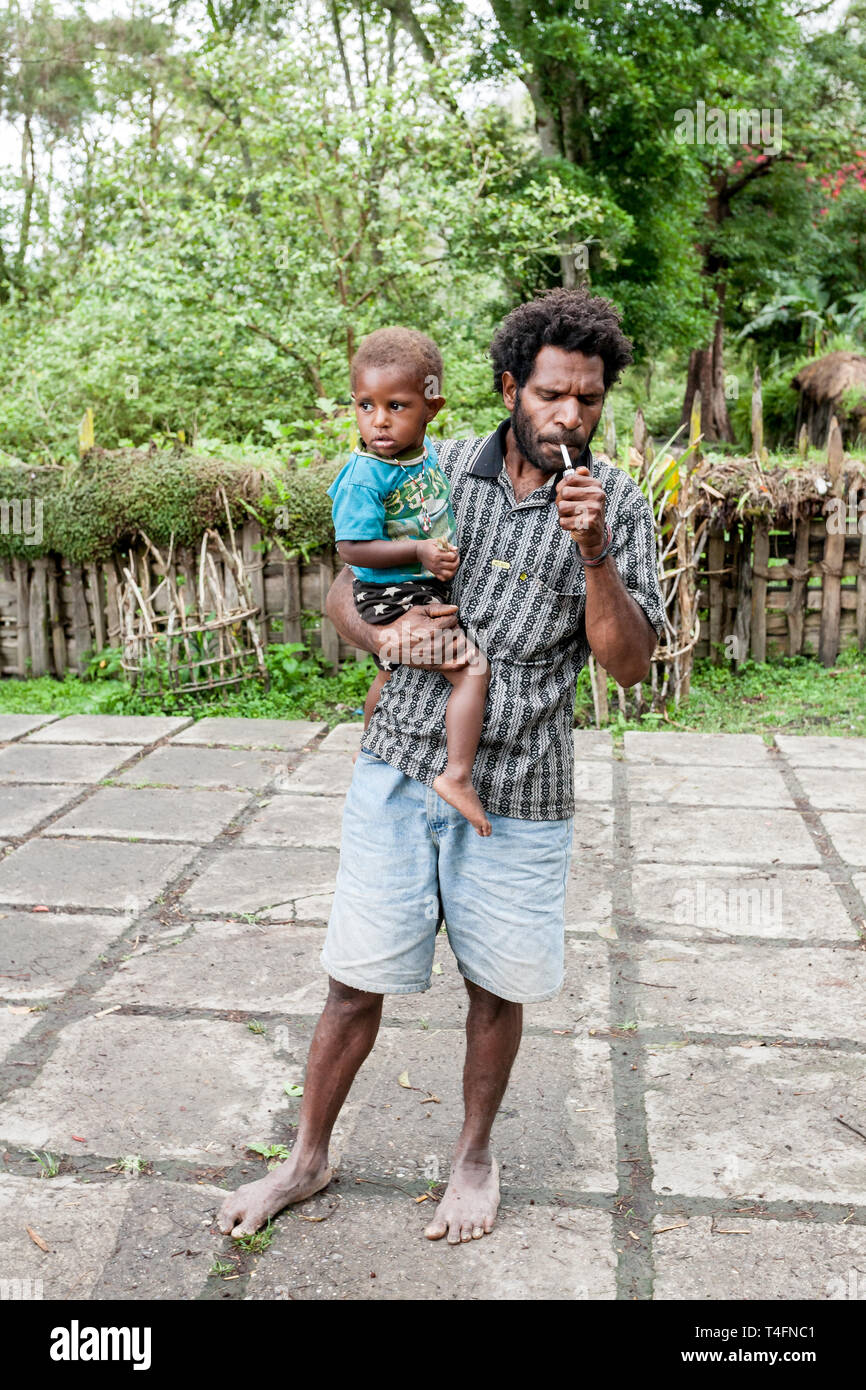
373	695
464	716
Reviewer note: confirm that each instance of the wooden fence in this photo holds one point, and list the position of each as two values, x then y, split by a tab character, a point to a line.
763	587
54	615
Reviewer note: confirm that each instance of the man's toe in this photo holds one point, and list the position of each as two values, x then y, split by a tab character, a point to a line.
477	1232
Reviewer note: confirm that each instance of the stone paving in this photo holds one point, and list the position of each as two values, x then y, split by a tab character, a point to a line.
686	1120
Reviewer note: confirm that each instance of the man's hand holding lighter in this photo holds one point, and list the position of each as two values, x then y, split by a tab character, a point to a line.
580	501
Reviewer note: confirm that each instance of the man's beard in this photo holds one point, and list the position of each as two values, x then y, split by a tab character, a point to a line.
528	441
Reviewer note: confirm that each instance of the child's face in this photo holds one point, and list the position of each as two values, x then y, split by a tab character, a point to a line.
392	410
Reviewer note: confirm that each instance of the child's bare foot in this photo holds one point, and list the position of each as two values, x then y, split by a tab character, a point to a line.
459	792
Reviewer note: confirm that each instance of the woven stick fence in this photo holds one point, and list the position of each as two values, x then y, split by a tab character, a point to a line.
174	645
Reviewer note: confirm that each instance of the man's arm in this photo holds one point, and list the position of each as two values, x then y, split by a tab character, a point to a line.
617	627
618	630
419	634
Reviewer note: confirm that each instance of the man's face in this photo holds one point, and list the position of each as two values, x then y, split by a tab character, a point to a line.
561	403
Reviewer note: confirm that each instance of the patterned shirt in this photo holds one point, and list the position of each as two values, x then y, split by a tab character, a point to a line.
521	596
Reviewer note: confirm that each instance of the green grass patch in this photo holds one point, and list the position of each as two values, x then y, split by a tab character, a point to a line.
794	695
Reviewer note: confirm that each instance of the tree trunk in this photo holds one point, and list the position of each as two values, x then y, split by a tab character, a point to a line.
706	373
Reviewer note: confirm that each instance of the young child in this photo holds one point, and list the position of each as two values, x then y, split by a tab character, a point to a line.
395	529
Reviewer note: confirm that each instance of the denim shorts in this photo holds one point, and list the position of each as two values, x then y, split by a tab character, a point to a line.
408	859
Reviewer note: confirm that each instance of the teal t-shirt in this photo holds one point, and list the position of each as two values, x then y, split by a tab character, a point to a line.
375	499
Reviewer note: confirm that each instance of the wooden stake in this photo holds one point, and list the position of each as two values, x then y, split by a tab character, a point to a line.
757	417
760	574
38	617
22	586
796	608
834	556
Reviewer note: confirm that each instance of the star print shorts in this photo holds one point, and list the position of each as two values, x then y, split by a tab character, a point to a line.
382	603
409	861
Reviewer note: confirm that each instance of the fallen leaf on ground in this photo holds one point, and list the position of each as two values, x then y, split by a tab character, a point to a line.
423	1198
37	1240
437	969
430	1100
403	1080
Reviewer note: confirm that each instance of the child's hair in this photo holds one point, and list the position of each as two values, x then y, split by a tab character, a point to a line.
402	347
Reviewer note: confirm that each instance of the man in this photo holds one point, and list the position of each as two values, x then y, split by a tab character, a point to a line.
552	566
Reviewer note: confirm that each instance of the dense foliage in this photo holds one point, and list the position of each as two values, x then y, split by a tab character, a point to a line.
207	205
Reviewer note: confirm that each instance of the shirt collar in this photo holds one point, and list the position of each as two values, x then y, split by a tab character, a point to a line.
490	459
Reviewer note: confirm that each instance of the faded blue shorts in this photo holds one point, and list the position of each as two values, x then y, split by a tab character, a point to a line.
408	859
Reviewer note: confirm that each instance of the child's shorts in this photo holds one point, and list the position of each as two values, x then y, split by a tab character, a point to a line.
382	603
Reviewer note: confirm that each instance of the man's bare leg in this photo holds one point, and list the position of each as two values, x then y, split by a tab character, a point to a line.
464	716
493	1029
344	1036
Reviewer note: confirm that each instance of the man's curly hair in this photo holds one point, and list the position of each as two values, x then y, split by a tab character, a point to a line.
571	319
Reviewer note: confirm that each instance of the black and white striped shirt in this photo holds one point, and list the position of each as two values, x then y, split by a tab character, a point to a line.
521	595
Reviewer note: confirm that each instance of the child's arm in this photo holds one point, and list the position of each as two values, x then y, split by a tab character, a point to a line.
385	555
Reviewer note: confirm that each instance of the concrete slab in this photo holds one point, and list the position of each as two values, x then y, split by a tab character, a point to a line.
166	1241
42	954
289	735
192	1089
344	738
737	1257
253	880
171	766
807	750
592	841
109	728
152	813
288	821
13	1026
767	990
859	881
593	780
226	965
326	774
555	1127
707	786
592	743
723	901
533	1252
848	834
756	1122
834	788
587	903
62	873
31	762
23	808
78	1222
14	726
714	750
719	835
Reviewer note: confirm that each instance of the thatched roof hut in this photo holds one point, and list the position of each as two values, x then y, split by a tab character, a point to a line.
822	385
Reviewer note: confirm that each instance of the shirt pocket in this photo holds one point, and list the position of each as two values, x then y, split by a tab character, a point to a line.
542	619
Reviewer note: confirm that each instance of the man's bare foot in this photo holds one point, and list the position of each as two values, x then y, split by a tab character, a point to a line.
459	792
468	1209
246	1210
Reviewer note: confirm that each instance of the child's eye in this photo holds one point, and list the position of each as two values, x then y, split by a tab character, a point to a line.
396	405
364	405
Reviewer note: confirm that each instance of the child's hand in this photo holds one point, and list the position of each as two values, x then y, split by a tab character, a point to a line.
440	562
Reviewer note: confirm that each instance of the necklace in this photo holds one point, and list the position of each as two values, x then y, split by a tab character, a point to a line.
423	513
